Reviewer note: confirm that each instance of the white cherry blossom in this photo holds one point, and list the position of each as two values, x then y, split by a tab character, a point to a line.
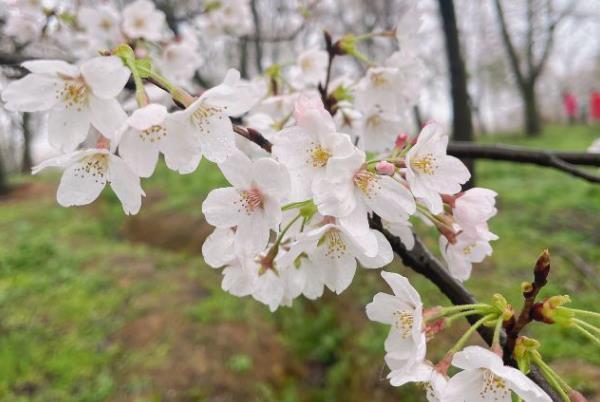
349	191
232	17
102	23
148	133
403	311
422	373
141	19
472	209
486	378
88	171
401	227
218	249
311	67
328	253
180	58
461	255
306	148
207	118
74	96
252	205
378	129
430	171
380	87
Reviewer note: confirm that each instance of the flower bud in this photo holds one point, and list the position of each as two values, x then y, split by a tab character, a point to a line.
575	396
550	310
542	269
526	287
385	168
524	348
401	141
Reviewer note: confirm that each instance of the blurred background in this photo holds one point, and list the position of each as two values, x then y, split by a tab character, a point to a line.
98	306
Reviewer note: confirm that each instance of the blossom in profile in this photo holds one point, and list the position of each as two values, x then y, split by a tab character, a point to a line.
463	253
423	373
403	311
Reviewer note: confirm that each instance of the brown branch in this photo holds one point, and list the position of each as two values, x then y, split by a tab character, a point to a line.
254	136
530	292
563	161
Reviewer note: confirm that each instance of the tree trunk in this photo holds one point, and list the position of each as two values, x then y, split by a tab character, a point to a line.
3	177
462	122
533	126
26	163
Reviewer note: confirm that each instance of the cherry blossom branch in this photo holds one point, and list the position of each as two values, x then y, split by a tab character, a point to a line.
422	261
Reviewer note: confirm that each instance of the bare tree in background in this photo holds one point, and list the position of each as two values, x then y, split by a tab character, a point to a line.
523	64
3	177
27	162
462	125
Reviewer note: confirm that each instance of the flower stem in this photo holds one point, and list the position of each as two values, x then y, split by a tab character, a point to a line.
140	93
458	346
497	330
581	312
455	316
587	333
453	312
587	325
285	229
553	378
293	205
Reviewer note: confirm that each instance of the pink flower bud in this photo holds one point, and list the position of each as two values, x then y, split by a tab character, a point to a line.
401	141
385	168
575	396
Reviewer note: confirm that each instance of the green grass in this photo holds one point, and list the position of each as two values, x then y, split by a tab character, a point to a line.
86	315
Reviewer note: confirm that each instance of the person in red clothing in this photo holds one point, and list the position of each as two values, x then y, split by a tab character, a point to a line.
570	105
595	106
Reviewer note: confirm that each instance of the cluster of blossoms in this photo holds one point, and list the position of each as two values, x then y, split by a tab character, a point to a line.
296	218
484	377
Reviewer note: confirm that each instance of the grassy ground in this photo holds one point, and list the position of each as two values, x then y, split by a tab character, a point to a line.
95	306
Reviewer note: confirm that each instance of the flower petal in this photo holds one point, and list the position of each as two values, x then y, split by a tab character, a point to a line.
148	116
67	128
216	136
51	67
105	75
217	249
140	155
223	207
126	185
32	93
384	256
107	115
82	182
237	169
